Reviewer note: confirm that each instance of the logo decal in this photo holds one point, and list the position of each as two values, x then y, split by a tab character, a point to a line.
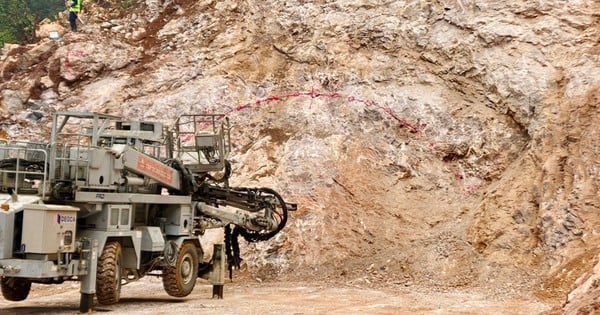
154	169
61	218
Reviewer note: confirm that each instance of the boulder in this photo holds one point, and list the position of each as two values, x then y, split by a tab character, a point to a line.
46	27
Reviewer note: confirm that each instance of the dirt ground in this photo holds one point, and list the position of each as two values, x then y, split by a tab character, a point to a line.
252	297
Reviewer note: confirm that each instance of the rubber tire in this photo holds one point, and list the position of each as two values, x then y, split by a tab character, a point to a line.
108	278
179	280
15	289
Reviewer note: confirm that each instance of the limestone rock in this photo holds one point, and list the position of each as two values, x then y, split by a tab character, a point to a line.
12	102
88	59
46	26
585	297
455	139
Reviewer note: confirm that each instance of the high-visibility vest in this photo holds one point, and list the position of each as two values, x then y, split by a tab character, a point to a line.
76	6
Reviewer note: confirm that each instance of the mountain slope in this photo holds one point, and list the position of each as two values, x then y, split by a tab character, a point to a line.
439	143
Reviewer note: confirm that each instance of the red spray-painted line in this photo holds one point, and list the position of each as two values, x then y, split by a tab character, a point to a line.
467	189
316	94
386	109
67	62
76	53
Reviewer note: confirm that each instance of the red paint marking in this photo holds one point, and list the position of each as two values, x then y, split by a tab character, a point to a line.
76	53
187	139
242	107
67	62
467	189
470	189
314	93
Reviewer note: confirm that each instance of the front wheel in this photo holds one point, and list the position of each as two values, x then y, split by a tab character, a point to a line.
108	279
179	280
15	289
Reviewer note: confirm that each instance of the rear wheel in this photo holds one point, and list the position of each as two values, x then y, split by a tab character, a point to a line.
15	289
179	280
108	279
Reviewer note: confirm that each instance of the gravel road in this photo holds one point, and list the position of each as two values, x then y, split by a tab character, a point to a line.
252	297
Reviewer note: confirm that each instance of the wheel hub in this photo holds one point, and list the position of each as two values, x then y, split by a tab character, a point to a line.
186	269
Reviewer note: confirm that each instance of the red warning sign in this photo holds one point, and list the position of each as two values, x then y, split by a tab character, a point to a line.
154	169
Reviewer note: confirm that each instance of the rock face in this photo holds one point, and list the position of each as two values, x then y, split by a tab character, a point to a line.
444	143
87	60
585	298
46	27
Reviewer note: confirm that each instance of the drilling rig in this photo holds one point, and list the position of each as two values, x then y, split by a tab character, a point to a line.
107	201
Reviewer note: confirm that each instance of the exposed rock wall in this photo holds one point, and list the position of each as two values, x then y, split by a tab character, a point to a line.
447	143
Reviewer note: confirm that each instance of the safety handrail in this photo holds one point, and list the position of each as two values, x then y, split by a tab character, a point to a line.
19	154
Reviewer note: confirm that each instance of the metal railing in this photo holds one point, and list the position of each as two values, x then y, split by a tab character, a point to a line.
23	168
202	141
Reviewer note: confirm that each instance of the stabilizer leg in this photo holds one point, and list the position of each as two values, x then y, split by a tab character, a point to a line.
86	302
216	272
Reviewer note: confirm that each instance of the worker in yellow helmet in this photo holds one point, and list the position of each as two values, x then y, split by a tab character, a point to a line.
74	10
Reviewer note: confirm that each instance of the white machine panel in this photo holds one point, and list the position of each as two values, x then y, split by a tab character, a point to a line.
7	223
48	229
179	220
152	238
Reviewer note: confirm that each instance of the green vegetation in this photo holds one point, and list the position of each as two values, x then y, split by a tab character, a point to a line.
46	8
127	4
16	22
18	18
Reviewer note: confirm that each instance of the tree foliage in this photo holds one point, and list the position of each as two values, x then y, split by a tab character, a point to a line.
46	8
19	17
16	21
